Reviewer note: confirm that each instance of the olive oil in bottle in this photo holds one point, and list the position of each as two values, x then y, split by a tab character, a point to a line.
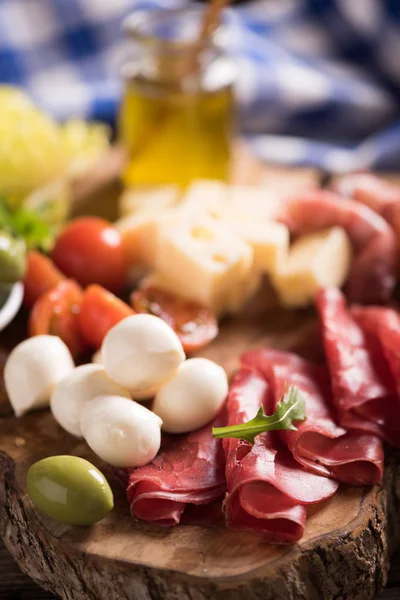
176	119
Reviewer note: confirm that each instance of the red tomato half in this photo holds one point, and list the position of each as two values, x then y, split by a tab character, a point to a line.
56	313
90	250
100	310
194	324
40	277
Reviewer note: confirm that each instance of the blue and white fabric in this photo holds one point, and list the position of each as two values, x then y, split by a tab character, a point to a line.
319	80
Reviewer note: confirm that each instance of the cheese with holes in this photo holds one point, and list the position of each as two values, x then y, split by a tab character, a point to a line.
206	196
148	199
253	203
317	260
140	235
238	202
269	240
203	260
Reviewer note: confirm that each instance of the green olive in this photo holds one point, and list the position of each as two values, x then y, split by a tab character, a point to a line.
70	490
12	258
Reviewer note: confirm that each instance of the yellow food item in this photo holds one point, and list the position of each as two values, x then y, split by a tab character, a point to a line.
201	259
254	203
147	198
140	234
317	260
206	196
269	240
83	143
236	202
35	151
31	154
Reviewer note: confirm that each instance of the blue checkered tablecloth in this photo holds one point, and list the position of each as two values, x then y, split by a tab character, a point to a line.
319	80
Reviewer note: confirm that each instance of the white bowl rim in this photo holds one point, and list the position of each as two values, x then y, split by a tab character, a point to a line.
12	305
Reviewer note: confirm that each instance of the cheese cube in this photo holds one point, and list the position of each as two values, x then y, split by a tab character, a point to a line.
317	260
269	240
203	260
206	196
238	202
148	198
140	235
253	203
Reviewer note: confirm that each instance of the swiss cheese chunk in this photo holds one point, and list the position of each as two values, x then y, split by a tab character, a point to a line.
206	196
201	259
148	198
317	260
140	235
239	202
253	203
269	240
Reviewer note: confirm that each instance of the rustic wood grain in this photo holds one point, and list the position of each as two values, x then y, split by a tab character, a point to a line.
14	585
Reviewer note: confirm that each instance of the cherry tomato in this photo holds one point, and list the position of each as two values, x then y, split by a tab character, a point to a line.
100	310
56	313
90	250
194	324
41	276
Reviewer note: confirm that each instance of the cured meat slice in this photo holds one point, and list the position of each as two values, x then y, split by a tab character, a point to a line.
372	276
267	488
319	444
381	327
378	194
189	470
363	391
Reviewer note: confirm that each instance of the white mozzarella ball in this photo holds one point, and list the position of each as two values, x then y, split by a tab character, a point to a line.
141	352
32	370
136	394
121	432
96	358
71	394
193	397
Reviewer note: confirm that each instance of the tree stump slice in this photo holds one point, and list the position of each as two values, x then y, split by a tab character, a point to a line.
344	554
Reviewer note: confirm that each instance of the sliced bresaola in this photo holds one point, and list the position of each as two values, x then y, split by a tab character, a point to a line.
363	391
381	327
187	473
319	444
372	275
267	489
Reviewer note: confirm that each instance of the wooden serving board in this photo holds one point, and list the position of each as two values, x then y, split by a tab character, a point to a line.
343	555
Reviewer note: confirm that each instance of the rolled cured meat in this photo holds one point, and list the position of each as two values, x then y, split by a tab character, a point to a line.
187	473
319	444
380	195
372	276
364	391
267	489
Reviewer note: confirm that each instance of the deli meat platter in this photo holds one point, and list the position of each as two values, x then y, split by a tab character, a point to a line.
345	548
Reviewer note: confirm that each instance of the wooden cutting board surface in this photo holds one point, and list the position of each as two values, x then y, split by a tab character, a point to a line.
343	554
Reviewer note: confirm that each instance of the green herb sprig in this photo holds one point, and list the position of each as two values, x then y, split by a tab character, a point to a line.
291	408
26	224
